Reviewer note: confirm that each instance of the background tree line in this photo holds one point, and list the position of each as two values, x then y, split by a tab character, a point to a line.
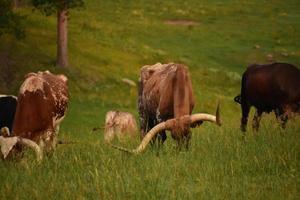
12	23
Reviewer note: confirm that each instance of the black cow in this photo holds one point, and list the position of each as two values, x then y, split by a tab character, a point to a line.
269	87
8	106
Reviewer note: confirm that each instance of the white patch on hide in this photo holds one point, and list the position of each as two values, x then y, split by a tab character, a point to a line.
32	84
63	78
59	96
7	144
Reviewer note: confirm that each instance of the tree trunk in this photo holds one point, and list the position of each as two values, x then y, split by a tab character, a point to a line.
62	38
16	3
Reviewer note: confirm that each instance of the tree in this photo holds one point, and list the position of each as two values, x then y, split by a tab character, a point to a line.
10	22
61	7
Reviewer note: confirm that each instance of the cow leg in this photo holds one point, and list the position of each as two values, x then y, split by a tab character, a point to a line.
245	113
256	120
48	140
162	136
55	136
144	124
150	124
281	117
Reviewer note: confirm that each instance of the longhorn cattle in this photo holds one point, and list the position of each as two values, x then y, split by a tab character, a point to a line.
165	92
8	104
269	87
165	102
42	103
119	124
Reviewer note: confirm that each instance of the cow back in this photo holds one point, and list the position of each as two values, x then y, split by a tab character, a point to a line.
42	101
271	86
166	90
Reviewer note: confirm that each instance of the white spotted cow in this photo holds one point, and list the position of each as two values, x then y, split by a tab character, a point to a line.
42	103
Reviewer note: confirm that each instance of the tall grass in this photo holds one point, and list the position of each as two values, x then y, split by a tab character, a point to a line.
110	40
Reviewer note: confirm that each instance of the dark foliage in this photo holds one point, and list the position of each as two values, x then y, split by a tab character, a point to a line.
10	22
49	7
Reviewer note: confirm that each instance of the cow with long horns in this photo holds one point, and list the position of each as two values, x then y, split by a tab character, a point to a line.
42	103
165	102
269	87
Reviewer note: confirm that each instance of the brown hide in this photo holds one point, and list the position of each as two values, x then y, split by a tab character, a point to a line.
165	92
270	87
42	103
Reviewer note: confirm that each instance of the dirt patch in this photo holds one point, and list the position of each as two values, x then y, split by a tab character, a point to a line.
181	22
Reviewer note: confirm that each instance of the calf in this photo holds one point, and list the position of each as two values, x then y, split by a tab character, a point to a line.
119	124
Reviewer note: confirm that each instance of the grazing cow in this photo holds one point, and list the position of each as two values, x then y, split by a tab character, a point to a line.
165	92
42	103
120	124
166	102
270	87
8	104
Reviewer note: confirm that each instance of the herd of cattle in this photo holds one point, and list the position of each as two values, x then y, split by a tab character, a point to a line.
165	102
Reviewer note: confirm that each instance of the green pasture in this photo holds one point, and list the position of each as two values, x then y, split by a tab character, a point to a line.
111	40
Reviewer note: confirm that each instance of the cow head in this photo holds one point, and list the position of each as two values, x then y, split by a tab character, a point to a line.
169	125
8	143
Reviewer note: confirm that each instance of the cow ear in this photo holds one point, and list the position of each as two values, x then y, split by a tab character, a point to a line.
5	131
7	144
63	78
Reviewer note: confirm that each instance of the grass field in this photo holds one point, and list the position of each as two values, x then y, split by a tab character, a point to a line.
111	40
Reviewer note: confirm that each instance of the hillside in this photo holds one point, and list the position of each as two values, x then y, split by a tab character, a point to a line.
111	40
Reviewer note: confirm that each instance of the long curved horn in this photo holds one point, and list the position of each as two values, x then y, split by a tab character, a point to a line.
207	117
148	137
167	125
32	145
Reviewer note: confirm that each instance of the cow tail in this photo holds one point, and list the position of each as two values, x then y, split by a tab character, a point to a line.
142	117
238	99
242	98
181	97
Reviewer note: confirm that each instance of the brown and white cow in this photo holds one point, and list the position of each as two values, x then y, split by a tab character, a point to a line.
166	101
119	124
42	103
